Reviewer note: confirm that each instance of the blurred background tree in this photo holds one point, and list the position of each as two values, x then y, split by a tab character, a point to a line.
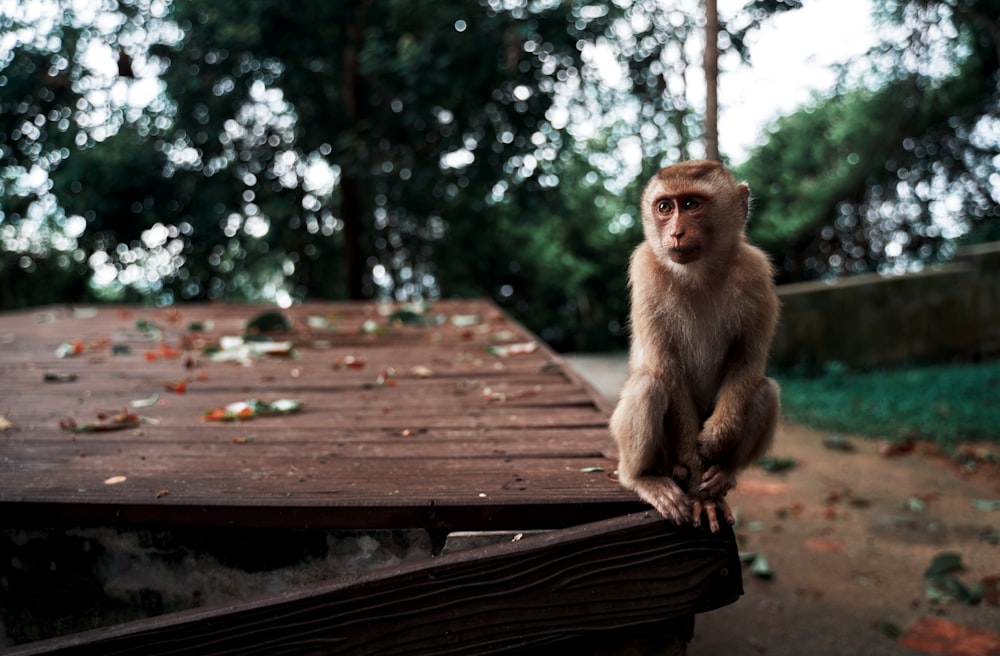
163	151
898	167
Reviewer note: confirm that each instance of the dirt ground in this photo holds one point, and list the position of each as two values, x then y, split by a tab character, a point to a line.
848	536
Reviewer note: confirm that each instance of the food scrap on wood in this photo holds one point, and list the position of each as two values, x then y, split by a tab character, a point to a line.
350	362
164	352
508	350
245	351
121	421
79	347
58	377
503	397
251	409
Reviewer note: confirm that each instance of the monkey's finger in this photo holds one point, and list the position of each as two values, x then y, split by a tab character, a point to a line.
727	512
697	506
713	520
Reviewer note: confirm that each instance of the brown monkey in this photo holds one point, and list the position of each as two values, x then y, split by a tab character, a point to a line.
696	406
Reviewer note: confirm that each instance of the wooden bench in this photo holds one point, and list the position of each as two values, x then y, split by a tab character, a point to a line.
451	418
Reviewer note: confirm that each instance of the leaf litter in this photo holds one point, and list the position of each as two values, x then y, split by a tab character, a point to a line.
120	421
252	409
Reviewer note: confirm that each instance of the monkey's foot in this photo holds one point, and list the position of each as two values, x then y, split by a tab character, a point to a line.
667	497
716	482
712	508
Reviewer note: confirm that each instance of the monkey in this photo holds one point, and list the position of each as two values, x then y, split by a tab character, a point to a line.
696	406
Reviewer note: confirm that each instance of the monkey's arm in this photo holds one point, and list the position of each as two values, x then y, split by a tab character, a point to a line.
741	426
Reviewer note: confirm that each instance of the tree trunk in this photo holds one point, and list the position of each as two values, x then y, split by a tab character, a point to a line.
352	204
711	66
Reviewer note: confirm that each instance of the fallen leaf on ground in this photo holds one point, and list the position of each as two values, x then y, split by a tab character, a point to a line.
145	403
824	545
753	486
947	562
942	584
991	590
761	568
385	379
245	351
465	320
412	315
838	443
773	465
165	352
891	449
350	362
5	423
503	397
115	480
79	347
986	504
267	322
507	350
177	386
251	409
120	421
58	377
933	635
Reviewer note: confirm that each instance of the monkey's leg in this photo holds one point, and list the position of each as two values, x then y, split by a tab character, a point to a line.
637	425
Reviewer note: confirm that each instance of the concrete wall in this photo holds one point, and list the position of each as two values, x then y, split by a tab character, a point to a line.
943	314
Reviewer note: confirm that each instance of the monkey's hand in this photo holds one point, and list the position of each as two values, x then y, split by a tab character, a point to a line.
711	496
717	481
712	508
666	496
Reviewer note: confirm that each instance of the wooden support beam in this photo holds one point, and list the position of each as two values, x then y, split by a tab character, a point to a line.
579	582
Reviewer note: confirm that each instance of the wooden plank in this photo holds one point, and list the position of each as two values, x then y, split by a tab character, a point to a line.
456	426
624	572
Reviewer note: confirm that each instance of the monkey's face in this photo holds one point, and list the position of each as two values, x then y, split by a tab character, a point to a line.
684	234
693	211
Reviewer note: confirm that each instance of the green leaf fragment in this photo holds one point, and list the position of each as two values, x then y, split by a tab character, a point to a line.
761	568
944	586
774	465
838	443
268	322
947	562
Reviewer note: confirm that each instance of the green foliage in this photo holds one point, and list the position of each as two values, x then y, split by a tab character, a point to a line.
890	173
441	171
946	404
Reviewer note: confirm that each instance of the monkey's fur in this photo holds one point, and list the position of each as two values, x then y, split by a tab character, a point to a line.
696	406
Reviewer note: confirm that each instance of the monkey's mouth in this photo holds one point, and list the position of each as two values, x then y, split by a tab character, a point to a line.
684	254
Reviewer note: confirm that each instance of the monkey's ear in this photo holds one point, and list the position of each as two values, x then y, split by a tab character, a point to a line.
744	193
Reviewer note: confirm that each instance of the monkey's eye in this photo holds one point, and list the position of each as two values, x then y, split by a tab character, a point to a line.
664	206
690	204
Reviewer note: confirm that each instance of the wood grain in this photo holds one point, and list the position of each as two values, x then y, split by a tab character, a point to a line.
624	572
